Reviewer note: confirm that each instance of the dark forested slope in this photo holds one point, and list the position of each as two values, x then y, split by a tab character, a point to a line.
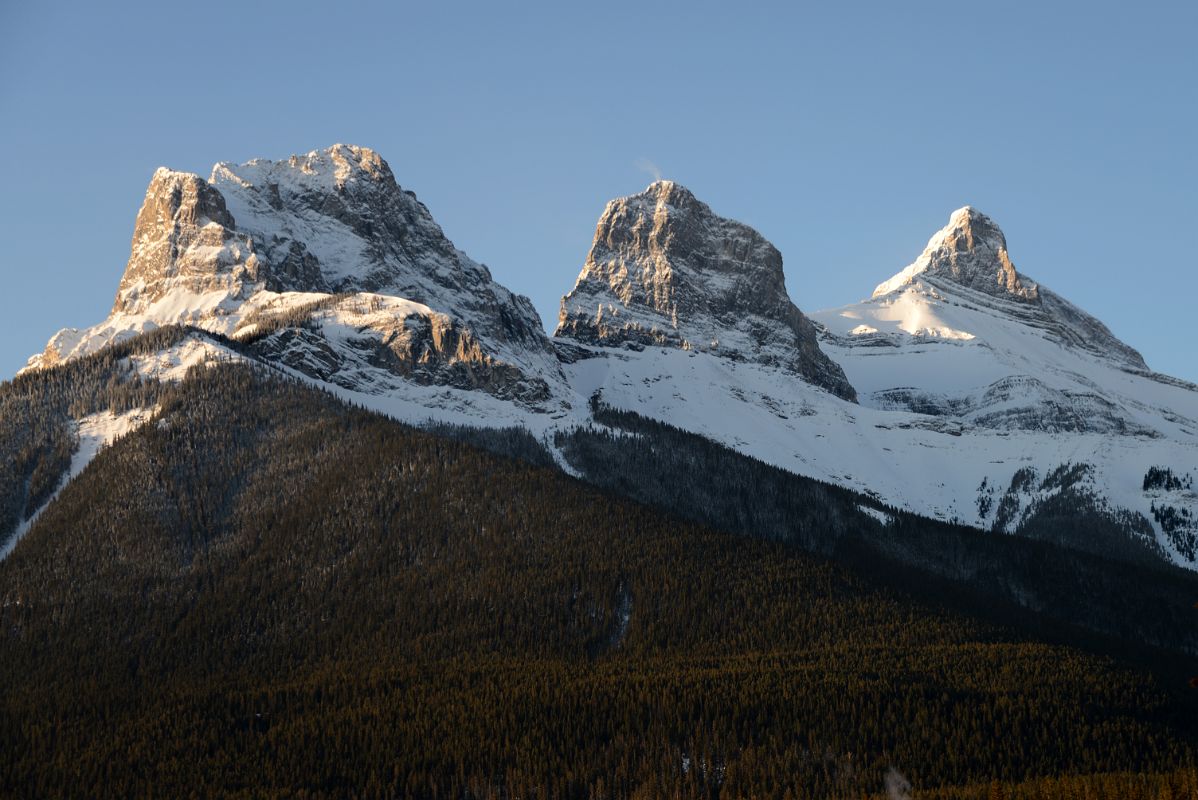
697	479
267	593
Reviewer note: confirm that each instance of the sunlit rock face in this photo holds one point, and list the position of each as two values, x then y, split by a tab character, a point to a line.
300	239
972	252
664	270
185	239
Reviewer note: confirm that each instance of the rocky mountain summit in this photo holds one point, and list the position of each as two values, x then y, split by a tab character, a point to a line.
970	253
186	240
314	241
336	221
664	270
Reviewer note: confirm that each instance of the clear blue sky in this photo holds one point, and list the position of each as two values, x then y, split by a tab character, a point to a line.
845	132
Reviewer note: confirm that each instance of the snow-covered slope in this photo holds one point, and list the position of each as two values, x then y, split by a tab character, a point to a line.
934	465
990	348
984	398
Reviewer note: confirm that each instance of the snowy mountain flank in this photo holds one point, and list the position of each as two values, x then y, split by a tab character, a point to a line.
961	390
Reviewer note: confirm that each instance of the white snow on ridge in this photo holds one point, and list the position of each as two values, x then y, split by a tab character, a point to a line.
909	355
333	243
218	312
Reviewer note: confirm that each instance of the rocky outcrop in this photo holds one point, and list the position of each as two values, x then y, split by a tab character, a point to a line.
355	340
185	241
664	270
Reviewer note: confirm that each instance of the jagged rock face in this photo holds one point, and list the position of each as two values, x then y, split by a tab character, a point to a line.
971	251
335	220
332	221
184	239
356	341
664	270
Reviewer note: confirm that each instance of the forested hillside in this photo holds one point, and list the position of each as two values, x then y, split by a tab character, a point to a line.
268	593
700	480
37	411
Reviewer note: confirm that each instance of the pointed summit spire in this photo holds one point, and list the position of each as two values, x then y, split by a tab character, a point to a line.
971	251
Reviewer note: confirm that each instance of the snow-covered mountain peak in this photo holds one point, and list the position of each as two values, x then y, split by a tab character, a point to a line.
970	250
665	270
980	396
327	170
961	334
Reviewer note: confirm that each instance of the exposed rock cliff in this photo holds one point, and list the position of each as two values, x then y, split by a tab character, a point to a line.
664	270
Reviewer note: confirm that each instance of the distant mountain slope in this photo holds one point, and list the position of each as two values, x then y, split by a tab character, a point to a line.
266	591
963	339
55	421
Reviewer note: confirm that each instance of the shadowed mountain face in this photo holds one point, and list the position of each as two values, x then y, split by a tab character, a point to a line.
664	270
